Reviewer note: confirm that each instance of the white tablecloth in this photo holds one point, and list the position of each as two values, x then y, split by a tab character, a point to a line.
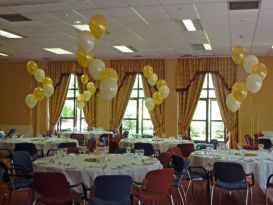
40	142
260	165
77	169
162	144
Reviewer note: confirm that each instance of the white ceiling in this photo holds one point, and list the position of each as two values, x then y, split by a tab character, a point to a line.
161	36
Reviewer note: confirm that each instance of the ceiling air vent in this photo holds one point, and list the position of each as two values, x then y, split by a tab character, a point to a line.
14	17
198	47
243	5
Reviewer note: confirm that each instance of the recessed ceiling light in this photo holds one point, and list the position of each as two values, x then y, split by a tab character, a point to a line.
58	51
81	27
207	46
124	49
189	24
9	34
77	22
3	54
272	46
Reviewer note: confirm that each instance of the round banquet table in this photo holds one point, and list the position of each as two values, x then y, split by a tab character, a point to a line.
161	144
260	163
41	143
83	167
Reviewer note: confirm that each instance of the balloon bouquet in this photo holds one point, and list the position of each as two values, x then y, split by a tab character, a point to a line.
39	92
257	73
161	85
94	68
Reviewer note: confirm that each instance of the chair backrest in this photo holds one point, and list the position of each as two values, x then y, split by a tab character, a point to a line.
26	146
113	188
104	138
165	158
228	172
78	137
249	147
178	163
51	184
67	144
147	147
23	158
186	149
159	181
266	142
186	138
269	183
120	151
201	146
117	138
113	146
175	151
125	134
214	142
11	132
73	150
92	146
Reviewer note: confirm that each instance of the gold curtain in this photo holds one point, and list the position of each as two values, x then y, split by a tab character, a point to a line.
188	100
119	103
90	108
229	118
189	70
129	67
60	74
56	101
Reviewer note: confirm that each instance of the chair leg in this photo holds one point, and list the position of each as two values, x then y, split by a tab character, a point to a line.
188	186
251	196
266	200
185	197
10	197
211	196
247	196
171	197
180	195
139	202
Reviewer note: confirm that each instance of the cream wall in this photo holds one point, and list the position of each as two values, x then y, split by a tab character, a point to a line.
255	114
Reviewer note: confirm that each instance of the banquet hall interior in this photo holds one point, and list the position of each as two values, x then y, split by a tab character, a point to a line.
175	89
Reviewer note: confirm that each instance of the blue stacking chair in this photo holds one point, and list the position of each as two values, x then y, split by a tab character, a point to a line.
147	147
231	176
112	190
29	147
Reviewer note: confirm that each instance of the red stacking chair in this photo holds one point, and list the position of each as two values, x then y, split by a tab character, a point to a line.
52	188
186	149
73	150
79	138
249	147
269	185
156	186
165	158
186	138
175	151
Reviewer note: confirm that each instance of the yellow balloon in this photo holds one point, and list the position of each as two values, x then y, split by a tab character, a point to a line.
260	69
38	93
31	67
239	91
97	25
147	71
91	87
80	98
108	73
160	83
47	80
84	78
157	98
238	54
84	59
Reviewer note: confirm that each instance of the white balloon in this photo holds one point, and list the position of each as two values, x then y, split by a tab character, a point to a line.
232	104
86	95
249	61
153	79
30	100
86	41
108	88
96	68
48	90
39	75
149	103
254	82
165	91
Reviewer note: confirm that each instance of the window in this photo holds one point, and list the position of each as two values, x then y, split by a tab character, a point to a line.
207	122
72	118
137	118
